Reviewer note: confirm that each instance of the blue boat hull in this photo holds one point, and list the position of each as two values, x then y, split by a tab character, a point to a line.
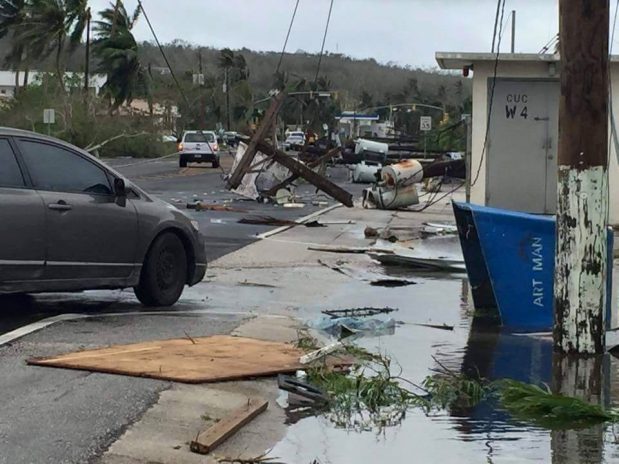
509	258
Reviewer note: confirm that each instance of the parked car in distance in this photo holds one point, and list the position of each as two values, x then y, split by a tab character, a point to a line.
294	139
71	223
198	147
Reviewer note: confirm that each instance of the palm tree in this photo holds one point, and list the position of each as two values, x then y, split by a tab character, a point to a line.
12	15
117	50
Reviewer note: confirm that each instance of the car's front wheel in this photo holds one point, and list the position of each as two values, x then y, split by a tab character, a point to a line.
182	162
216	163
164	272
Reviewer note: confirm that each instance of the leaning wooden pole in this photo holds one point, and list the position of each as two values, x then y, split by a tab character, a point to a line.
582	189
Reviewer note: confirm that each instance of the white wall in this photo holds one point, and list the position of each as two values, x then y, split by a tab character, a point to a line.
482	72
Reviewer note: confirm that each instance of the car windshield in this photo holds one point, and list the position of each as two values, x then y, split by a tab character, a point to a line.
197	137
296	134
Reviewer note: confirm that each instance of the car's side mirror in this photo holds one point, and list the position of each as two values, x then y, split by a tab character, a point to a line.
120	189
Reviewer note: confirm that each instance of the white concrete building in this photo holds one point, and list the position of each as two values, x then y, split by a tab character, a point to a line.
356	125
7	81
515	162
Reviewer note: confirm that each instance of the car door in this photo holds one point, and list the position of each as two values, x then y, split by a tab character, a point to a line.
22	224
90	234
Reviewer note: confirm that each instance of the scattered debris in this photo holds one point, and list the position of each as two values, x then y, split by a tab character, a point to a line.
256	284
262	459
294	205
266	221
319	353
432	326
366	172
199	206
392	283
370	232
303	389
357	312
348	249
215	435
314	224
339	222
343	327
428	264
199	360
320	203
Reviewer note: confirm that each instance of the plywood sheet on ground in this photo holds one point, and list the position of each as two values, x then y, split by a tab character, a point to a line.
197	360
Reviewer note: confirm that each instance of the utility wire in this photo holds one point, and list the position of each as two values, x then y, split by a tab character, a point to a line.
281	57
549	44
180	89
491	103
324	39
496	23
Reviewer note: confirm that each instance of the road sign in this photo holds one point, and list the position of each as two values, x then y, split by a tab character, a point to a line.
425	123
49	116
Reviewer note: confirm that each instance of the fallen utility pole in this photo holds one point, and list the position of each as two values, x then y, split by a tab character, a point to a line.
326	157
300	169
263	130
582	189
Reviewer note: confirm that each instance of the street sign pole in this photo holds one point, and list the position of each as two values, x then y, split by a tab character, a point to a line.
425	125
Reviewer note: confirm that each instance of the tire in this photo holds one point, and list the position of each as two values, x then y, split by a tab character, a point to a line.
216	163
164	272
182	162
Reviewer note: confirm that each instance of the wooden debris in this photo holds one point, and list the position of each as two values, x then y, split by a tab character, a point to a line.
348	249
330	154
199	206
212	437
308	174
191	360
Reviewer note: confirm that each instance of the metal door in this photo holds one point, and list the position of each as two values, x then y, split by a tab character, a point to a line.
89	235
22	224
522	146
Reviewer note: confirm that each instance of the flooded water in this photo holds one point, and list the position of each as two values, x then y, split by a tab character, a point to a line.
483	433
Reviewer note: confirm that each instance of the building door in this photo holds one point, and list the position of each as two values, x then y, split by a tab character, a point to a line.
522	146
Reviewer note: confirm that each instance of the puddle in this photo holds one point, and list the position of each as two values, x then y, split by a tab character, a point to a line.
483	433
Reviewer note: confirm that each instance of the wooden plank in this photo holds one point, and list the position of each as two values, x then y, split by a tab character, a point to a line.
326	157
303	171
212	437
235	178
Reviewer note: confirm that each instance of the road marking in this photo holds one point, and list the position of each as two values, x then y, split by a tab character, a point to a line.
44	323
298	221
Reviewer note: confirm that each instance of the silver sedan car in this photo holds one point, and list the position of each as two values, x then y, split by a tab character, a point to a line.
68	223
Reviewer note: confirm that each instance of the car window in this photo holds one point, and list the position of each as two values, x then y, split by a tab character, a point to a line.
196	137
10	174
57	169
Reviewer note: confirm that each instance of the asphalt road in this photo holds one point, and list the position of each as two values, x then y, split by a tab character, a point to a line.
58	416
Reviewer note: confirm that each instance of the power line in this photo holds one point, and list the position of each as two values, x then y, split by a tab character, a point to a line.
281	57
180	89
549	44
496	23
490	104
324	38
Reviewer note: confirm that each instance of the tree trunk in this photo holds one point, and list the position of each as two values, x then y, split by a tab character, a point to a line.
26	76
59	69
16	90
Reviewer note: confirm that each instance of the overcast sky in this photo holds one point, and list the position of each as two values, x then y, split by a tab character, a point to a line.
407	32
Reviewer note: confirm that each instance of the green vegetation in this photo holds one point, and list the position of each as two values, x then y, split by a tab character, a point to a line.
369	396
554	411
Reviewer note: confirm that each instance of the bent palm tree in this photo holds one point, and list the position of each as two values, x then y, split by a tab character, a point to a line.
117	50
